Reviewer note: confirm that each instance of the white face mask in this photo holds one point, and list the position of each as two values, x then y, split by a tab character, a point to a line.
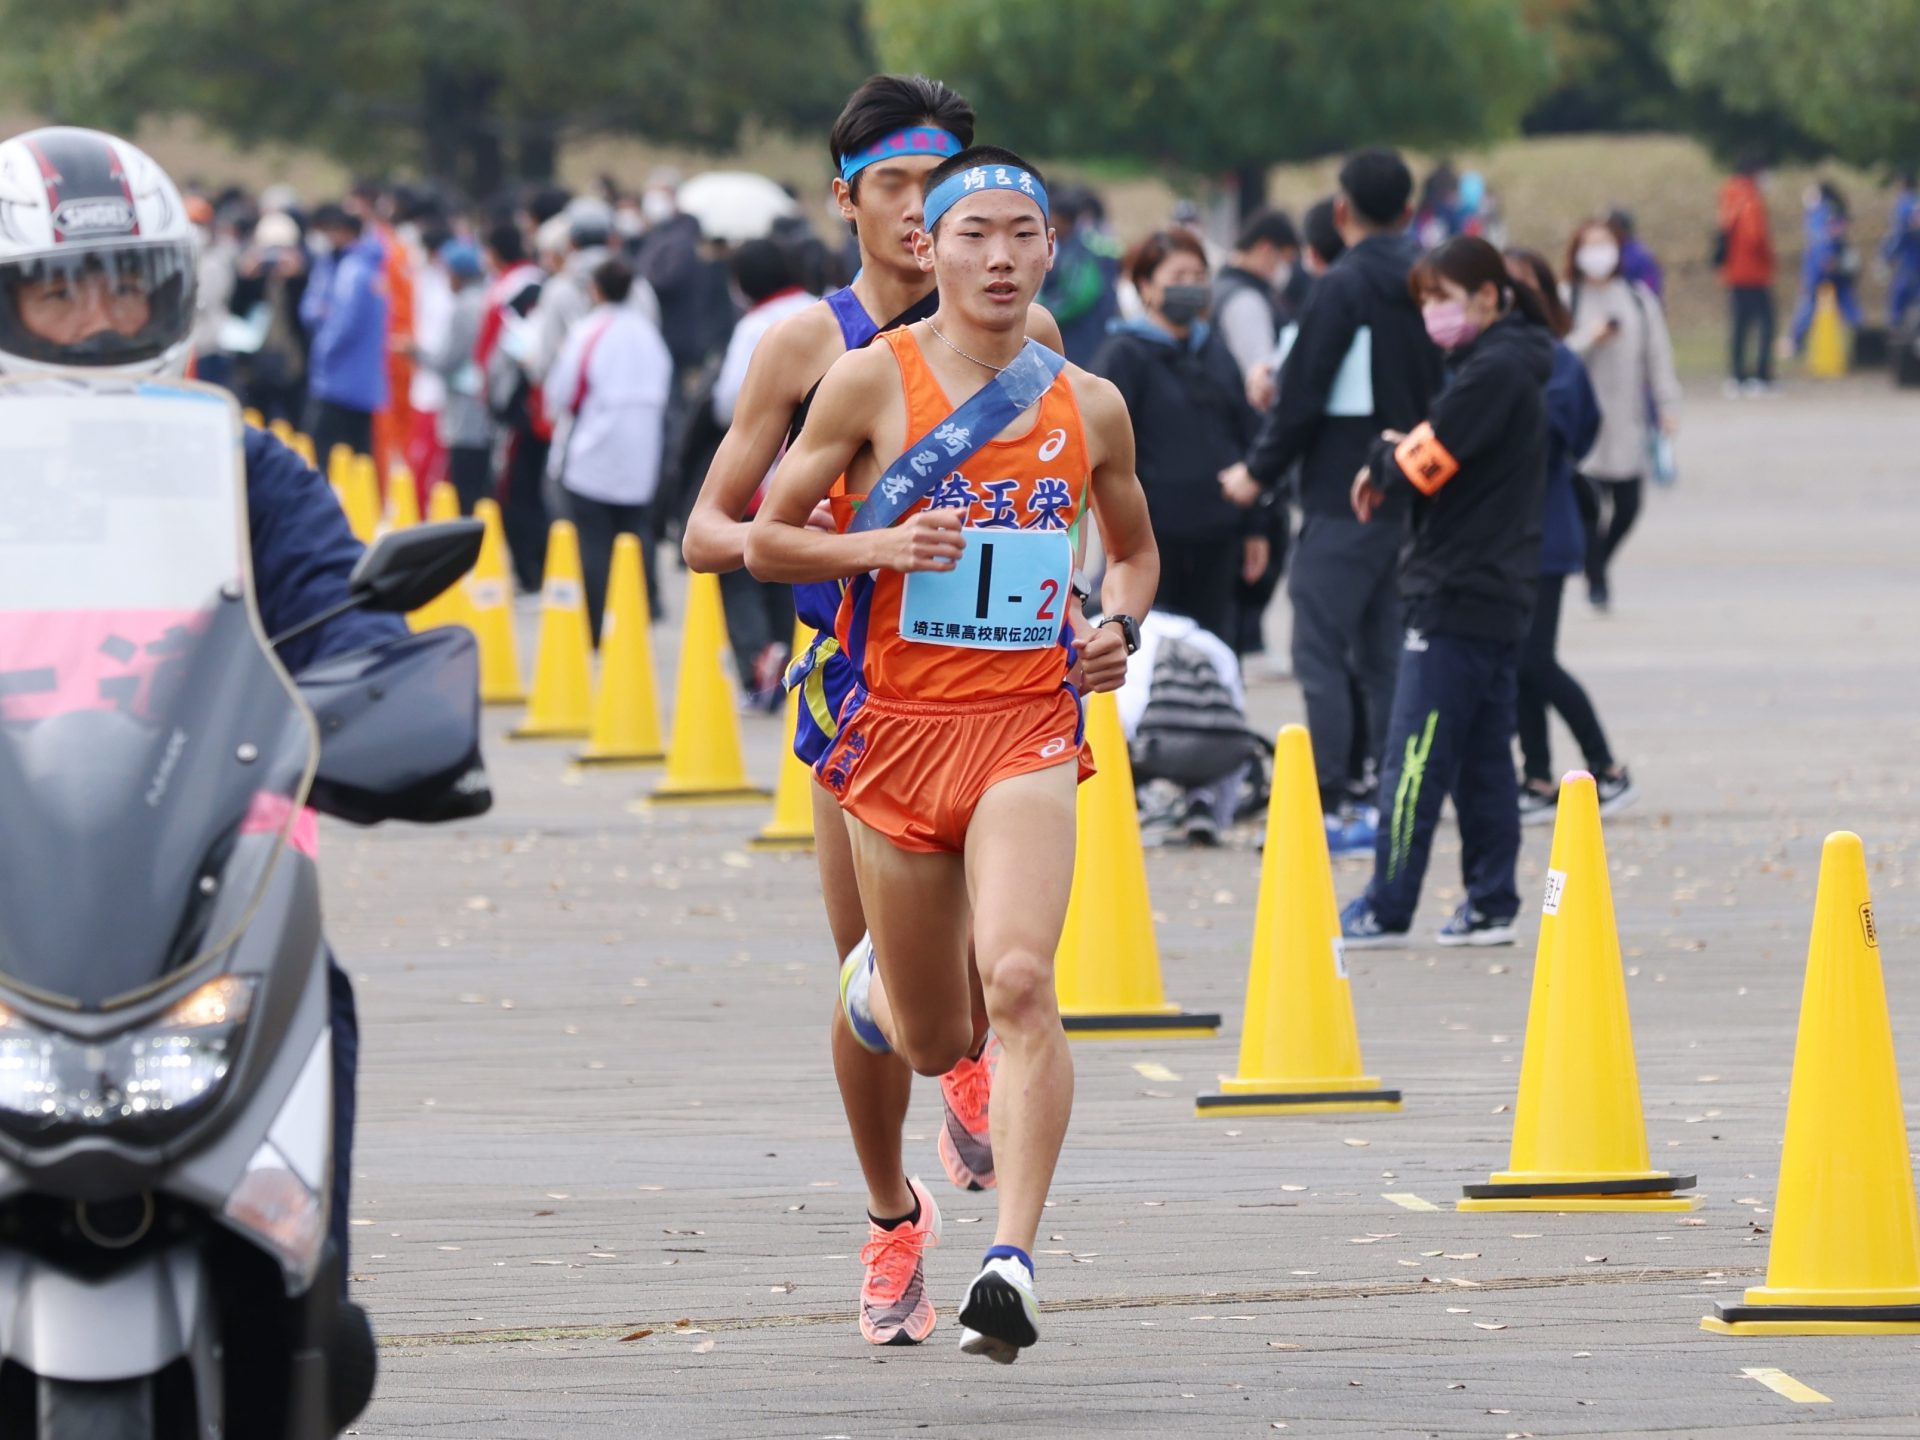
1598	260
1282	276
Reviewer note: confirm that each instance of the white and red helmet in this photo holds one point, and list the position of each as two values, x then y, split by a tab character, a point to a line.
76	204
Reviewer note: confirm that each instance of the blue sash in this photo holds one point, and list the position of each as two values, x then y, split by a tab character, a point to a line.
959	437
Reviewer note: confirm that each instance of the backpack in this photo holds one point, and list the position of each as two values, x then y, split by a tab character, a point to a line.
1192	731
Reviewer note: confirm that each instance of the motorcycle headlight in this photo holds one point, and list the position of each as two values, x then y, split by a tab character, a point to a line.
148	1081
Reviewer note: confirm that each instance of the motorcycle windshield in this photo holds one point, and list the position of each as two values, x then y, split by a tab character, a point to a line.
153	756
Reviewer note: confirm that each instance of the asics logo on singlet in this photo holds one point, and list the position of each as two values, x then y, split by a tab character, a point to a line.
1053	748
1051	447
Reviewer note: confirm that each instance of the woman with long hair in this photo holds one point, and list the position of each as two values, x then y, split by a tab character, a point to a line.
1573	420
1476	468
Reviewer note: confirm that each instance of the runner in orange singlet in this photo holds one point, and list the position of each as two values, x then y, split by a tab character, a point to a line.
958	752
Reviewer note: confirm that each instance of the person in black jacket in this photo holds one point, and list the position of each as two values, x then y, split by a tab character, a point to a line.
1475	474
1361	363
1190	418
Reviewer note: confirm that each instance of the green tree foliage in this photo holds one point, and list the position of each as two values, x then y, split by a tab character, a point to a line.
469	89
1846	74
1218	86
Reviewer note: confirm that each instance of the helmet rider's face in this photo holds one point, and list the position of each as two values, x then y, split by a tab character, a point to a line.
70	309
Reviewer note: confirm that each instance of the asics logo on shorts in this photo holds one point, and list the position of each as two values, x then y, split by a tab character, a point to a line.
1053	748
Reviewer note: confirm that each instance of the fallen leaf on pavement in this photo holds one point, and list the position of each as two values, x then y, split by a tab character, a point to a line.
1357	1144
703	1347
1488	1325
1281	1345
636	1335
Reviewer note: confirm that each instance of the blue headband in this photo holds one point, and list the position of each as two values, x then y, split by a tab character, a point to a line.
915	140
949	192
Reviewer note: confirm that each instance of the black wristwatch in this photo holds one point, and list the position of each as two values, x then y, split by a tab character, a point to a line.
1129	630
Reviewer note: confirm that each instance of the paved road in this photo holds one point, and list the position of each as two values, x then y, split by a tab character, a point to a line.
596	1098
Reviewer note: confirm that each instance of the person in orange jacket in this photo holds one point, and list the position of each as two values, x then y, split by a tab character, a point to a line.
1744	254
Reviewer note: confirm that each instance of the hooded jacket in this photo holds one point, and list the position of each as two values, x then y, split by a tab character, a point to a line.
345	310
1475	471
1366	288
1191	420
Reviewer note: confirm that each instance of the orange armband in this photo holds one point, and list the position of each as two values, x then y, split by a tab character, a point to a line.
1424	460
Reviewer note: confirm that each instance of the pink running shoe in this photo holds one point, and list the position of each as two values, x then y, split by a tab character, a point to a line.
966	1146
894	1308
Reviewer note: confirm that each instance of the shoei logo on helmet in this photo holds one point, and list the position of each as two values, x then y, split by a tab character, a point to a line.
95	216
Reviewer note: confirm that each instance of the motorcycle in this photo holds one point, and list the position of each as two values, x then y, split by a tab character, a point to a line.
165	1056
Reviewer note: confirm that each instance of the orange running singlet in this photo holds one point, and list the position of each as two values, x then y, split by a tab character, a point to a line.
993	628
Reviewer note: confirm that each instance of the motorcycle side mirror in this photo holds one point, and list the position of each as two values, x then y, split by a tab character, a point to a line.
407	568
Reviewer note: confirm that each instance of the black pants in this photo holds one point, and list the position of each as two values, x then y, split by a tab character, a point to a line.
1197	580
1343	580
1752	319
1544	682
470	468
1251	600
759	614
329	425
346	1064
598	522
1616	507
523	509
1452	734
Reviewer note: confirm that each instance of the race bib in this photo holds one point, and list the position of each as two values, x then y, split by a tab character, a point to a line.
1008	592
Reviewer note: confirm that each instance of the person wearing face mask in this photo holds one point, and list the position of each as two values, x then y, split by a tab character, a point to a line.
1360	363
1620	333
1474	472
1190	419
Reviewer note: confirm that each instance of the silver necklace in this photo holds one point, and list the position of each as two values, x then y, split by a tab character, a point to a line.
996	369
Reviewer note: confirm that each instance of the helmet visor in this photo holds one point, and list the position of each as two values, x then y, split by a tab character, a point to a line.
104	306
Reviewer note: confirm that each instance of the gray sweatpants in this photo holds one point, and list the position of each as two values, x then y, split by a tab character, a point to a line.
1343	580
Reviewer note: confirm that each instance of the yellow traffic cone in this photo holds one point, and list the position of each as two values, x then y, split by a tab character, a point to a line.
303	447
704	762
254	418
1107	969
561	703
489	601
791	827
1299	1048
1845	1258
450	606
626	711
1579	1138
340	466
361	497
403	499
282	431
1827	340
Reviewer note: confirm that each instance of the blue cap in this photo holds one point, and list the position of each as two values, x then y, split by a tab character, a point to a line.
462	258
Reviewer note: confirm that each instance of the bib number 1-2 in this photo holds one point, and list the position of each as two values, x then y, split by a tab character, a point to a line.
1008	592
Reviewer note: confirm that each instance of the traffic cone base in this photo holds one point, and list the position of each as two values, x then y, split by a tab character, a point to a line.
1510	1193
1299	1046
1844	1258
670	795
1364	1094
1107	964
642	760
796	844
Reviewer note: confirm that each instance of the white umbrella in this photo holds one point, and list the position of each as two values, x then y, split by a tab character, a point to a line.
735	205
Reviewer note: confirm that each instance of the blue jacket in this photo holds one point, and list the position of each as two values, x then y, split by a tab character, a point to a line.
345	310
303	553
1573	422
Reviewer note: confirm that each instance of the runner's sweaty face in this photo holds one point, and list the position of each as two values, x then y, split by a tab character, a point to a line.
886	211
991	253
70	309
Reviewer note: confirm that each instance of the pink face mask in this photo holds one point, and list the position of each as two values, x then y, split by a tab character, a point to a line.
1448	324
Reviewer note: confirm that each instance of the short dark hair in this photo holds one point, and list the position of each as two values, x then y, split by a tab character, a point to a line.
1378	184
1323	236
1151	253
613	278
1537	275
506	242
762	268
335	216
545	201
1471	263
1269	227
982	155
886	103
